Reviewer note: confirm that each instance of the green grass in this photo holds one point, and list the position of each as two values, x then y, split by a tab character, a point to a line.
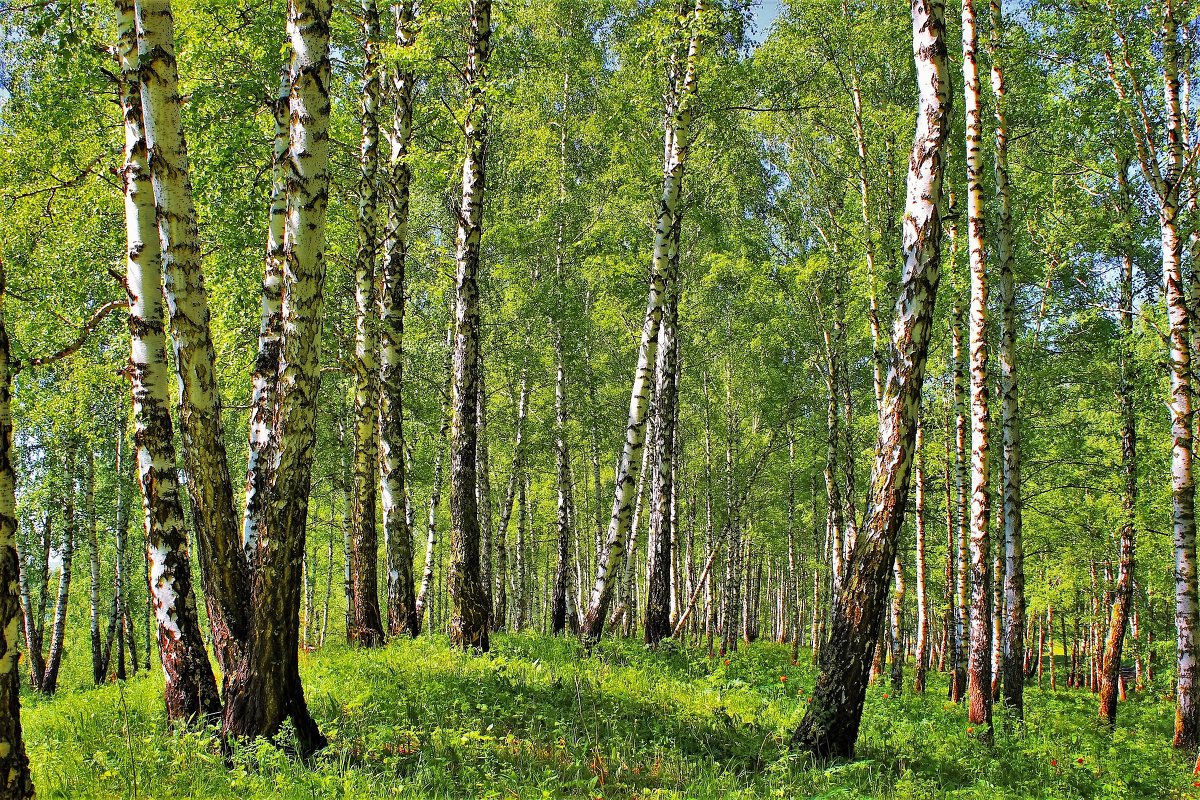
537	720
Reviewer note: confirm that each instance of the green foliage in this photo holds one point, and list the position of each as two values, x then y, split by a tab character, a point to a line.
535	719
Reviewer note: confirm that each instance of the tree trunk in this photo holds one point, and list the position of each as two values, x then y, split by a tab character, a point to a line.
469	624
921	661
898	624
364	624
1014	551
16	782
265	689
191	689
224	570
979	679
401	597
677	142
93	544
830	726
1110	676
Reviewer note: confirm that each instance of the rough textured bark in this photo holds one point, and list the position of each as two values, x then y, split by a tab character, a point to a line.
364	624
191	689
15	779
265	689
677	140
402	604
830	726
469	623
224	571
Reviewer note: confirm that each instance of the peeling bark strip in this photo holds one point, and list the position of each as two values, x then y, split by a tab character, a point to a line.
1014	551
224	570
191	690
265	689
830	727
363	623
469	622
266	363
401	598
677	139
979	667
16	782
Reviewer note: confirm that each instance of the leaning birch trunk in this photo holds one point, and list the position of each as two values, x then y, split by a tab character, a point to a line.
1014	551
15	779
402	601
830	726
224	569
469	622
921	661
1110	677
191	689
979	668
266	689
678	136
364	624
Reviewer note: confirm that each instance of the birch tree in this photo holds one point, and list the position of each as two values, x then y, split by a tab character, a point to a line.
469	624
401	603
363	624
830	725
190	687
677	142
15	779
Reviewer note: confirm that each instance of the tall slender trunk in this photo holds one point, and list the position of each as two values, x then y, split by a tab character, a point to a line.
1014	551
921	662
469	624
677	139
93	544
1110	675
401	597
958	682
265	689
897	623
364	624
830	726
16	782
224	570
190	688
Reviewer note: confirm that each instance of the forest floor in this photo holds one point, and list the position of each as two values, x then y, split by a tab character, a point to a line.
535	720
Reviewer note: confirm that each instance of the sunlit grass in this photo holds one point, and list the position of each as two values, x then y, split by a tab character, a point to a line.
536	719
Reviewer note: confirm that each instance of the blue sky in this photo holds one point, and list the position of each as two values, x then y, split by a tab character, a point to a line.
765	12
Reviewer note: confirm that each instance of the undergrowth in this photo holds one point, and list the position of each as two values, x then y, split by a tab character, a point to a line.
537	719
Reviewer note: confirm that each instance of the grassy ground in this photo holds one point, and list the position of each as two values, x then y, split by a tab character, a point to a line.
534	720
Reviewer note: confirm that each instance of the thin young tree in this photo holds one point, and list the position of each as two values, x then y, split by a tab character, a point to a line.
677	143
